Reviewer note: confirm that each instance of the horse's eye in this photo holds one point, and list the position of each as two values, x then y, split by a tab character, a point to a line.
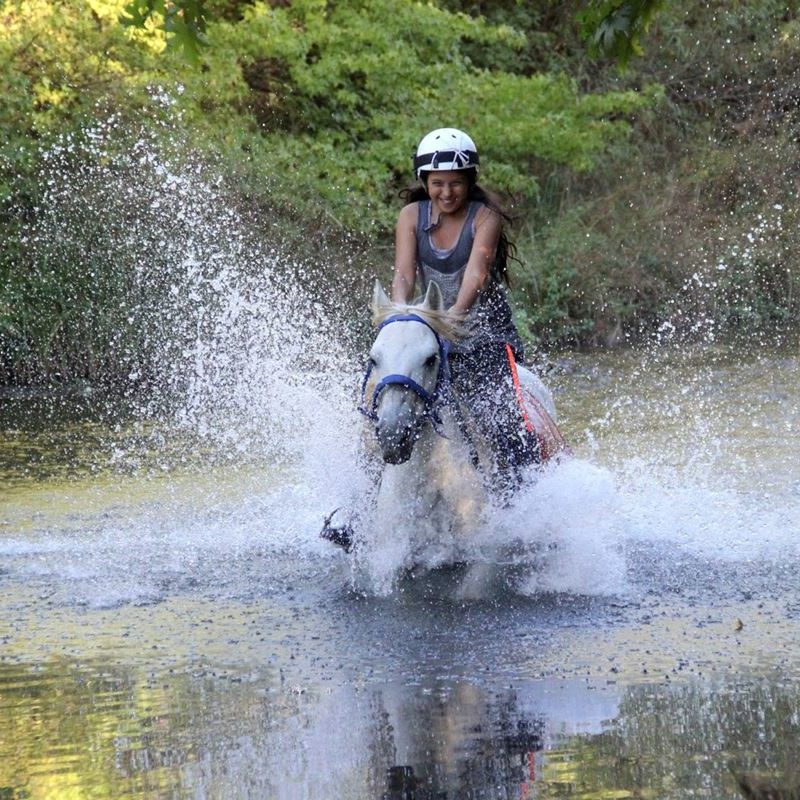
430	361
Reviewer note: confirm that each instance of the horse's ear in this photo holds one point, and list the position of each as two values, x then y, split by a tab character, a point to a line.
379	296
433	297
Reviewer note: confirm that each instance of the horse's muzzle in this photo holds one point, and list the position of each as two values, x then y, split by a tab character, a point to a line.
401	415
396	444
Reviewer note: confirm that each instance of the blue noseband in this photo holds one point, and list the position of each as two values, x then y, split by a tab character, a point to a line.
432	400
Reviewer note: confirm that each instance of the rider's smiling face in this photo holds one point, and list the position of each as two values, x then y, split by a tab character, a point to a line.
448	191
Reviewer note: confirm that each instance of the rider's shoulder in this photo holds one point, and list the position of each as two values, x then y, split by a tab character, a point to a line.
408	214
485	214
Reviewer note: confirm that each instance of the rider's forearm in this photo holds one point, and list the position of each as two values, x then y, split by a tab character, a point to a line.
472	285
402	286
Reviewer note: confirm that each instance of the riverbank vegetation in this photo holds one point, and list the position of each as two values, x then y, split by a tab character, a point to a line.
656	201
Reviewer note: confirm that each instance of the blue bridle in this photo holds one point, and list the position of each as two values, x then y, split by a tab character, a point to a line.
432	400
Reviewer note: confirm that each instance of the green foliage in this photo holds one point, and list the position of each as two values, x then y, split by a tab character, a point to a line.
612	27
623	185
341	93
184	21
581	280
61	65
640	241
615	28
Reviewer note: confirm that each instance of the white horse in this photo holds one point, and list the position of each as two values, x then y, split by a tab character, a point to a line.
435	468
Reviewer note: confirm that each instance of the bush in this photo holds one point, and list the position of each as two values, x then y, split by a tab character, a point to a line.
625	186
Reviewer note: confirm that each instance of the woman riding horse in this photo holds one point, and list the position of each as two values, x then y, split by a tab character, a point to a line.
451	232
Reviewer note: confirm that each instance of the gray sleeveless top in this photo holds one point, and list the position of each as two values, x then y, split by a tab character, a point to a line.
489	319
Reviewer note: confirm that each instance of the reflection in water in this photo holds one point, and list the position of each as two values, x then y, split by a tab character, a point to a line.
458	741
90	730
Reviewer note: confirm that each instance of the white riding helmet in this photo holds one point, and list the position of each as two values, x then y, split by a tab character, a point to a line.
444	150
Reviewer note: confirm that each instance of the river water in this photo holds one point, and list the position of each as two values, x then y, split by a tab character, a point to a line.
171	625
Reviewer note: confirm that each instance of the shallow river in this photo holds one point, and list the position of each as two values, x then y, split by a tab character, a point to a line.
171	625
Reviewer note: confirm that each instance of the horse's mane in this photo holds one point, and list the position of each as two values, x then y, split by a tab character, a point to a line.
444	323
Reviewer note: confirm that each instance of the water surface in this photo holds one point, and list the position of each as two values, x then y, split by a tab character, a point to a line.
172	626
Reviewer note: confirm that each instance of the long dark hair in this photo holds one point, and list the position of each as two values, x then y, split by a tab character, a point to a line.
506	249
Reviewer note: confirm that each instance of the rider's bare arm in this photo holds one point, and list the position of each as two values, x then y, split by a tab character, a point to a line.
479	266
405	254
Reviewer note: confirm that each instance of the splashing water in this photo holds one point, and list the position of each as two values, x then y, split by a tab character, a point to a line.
246	371
250	434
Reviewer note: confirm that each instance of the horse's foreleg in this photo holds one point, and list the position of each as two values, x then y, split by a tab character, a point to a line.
341	535
362	501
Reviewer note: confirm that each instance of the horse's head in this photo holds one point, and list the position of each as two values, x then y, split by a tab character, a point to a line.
406	372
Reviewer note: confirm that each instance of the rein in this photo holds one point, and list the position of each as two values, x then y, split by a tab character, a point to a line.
432	400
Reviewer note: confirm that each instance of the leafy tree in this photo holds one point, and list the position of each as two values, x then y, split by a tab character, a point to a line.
184	21
340	93
615	27
310	110
612	27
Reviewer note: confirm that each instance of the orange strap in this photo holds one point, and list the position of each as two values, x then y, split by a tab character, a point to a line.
512	365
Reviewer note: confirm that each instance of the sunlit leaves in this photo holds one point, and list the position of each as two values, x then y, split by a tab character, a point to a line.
357	83
183	20
342	92
612	27
59	64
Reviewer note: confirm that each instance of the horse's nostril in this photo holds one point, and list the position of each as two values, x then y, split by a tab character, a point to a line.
393	433
396	456
396	441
